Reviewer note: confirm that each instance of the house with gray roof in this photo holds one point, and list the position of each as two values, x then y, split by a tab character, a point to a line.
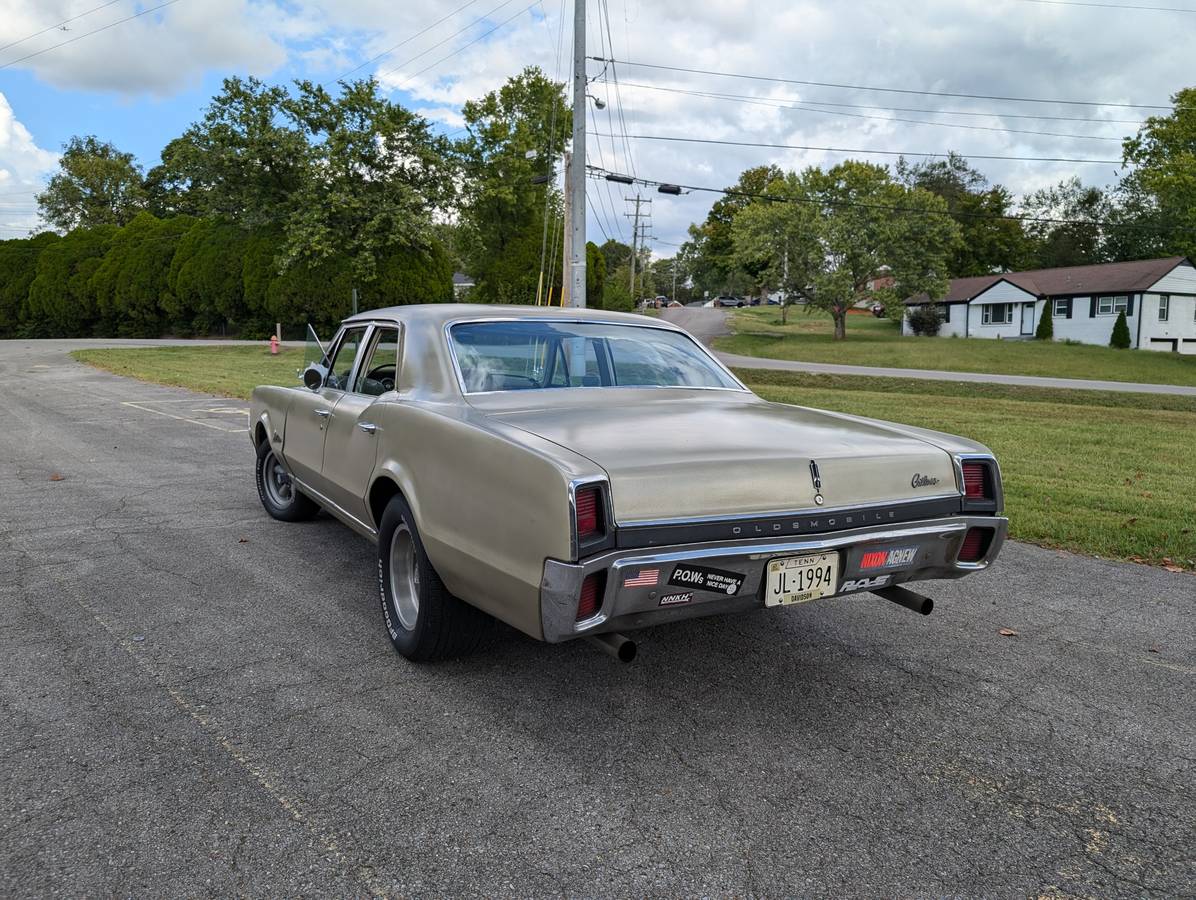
1158	297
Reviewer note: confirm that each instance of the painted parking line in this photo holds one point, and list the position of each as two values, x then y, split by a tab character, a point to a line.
213	413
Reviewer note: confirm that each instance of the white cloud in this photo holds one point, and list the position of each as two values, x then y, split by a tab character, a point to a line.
156	54
23	166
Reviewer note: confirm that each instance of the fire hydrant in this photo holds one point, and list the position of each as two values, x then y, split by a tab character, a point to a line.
274	345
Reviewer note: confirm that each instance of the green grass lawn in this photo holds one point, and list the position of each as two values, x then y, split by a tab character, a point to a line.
877	342
1109	474
228	371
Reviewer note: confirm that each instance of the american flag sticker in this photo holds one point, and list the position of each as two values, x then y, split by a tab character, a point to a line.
643	578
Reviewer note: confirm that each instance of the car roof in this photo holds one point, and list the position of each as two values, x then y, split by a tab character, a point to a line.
439	313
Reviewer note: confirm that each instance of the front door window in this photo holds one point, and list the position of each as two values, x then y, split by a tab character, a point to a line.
347	351
380	372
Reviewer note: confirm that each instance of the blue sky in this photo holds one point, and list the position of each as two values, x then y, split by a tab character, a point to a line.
141	82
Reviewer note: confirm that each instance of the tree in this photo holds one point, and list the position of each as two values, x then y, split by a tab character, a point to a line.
206	279
1077	240
715	265
835	231
989	242
61	302
245	160
130	282
18	267
96	184
1046	325
502	213
1163	180
1120	338
374	175
595	275
616	254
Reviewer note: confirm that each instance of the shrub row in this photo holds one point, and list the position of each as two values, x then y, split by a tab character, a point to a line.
186	276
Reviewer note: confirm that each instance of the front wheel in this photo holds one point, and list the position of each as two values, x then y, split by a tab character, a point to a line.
276	489
424	621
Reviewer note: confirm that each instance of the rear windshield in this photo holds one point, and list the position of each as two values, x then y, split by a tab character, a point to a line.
531	355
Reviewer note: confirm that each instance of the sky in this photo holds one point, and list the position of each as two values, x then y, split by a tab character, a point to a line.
883	66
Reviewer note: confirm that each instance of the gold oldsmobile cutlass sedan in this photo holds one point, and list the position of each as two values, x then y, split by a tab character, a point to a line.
578	473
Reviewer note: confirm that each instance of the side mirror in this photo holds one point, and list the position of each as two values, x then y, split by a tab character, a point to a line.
313	377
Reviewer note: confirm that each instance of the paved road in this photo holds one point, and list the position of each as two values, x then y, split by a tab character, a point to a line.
199	700
708	324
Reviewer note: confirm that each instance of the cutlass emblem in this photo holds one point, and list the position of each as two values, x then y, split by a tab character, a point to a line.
816	477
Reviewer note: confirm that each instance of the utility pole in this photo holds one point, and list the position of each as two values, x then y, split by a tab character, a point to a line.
567	239
635	233
575	178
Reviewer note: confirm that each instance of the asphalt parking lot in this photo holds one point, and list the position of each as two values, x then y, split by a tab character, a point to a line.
200	700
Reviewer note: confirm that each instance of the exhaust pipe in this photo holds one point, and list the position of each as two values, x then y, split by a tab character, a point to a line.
619	646
902	597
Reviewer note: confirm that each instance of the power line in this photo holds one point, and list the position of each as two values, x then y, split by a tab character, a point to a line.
1177	9
90	33
686	140
59	24
913	109
403	43
800	105
463	47
460	31
887	90
594	172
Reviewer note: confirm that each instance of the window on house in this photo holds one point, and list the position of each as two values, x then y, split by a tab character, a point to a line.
1060	311
1111	306
998	314
1164	307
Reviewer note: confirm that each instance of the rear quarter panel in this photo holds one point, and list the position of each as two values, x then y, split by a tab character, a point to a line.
491	504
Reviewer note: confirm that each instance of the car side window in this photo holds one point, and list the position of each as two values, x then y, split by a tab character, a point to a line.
346	356
381	369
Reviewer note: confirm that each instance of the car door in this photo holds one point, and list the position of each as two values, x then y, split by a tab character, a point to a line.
307	419
351	446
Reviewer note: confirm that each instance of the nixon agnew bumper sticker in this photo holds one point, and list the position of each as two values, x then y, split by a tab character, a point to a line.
718	580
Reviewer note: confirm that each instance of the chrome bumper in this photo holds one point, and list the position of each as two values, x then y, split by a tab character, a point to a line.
639	605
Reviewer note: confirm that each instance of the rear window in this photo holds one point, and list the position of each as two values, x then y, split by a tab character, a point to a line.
537	355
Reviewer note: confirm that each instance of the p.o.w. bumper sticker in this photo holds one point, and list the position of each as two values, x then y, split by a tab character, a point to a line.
718	580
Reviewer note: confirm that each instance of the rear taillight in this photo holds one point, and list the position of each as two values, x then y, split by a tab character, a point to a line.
591	595
977	481
975	544
590	519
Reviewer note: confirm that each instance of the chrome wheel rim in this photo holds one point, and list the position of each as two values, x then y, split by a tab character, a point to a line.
404	577
279	487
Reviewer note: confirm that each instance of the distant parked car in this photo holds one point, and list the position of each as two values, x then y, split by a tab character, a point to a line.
728	301
878	311
773	301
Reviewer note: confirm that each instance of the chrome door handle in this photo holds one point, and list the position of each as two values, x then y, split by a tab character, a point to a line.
323	413
367	427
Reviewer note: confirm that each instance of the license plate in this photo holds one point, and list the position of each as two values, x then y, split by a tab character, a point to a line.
799	579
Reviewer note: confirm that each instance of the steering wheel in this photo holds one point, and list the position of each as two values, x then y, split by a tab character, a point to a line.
384	375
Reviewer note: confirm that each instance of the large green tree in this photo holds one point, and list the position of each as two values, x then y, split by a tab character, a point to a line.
18	267
96	184
61	302
374	177
1161	187
714	263
244	160
515	134
1072	233
835	232
990	243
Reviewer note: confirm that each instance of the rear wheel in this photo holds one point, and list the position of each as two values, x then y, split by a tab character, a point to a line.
424	621
277	490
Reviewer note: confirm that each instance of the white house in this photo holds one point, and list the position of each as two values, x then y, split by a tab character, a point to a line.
1157	295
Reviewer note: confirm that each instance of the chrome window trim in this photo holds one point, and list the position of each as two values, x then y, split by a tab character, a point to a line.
575	320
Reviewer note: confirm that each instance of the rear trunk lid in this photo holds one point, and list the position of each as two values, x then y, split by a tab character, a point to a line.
684	454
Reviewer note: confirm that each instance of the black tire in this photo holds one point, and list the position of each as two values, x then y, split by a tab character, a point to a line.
438	625
277	491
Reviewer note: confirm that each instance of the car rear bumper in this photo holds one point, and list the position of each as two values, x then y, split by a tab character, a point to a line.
643	587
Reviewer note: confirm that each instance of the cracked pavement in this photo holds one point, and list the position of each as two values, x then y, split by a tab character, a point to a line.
199	700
